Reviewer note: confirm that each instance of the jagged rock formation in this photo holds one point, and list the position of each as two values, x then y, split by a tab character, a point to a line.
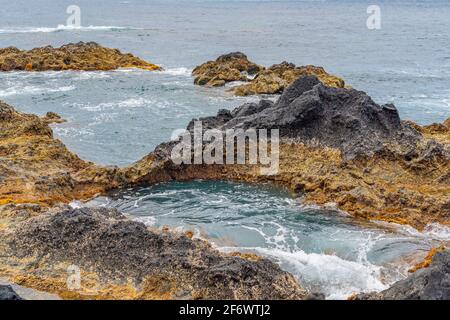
74	56
337	146
236	67
345	119
38	171
432	283
8	293
119	258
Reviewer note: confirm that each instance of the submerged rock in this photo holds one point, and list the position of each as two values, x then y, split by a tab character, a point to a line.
8	293
234	66
140	263
74	56
431	283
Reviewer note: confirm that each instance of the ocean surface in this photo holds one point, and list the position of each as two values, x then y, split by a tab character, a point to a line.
119	116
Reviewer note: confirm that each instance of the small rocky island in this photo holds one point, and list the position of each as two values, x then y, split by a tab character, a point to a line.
337	145
236	66
86	56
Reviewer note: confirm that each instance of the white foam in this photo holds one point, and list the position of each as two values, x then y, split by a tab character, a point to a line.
432	231
61	27
71	132
147	220
76	204
128	103
24	90
335	277
177	71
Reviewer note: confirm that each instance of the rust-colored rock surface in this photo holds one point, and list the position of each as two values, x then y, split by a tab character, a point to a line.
226	68
278	77
88	56
37	168
236	67
117	258
337	146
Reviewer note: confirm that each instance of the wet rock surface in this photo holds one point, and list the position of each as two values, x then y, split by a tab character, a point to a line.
156	264
86	56
431	283
8	293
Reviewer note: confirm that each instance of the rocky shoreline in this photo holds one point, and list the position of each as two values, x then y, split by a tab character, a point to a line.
337	145
86	56
122	259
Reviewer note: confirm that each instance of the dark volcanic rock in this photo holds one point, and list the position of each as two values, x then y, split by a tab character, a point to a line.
8	293
308	111
432	283
104	241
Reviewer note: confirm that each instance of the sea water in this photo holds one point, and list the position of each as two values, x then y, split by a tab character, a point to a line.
119	116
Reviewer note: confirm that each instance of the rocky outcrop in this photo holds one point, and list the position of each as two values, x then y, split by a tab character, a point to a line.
79	56
279	76
236	67
345	119
337	146
8	293
432	283
119	258
37	168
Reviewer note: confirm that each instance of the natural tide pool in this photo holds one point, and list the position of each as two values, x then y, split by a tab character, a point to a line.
324	248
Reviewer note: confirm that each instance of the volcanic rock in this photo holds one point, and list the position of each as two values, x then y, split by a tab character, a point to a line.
431	283
280	76
146	264
8	293
85	56
234	66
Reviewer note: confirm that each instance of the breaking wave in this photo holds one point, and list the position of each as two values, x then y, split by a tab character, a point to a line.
177	72
335	277
61	27
24	90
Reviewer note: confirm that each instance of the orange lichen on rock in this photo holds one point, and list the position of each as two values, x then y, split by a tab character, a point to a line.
427	260
236	67
117	258
230	67
87	56
278	77
37	168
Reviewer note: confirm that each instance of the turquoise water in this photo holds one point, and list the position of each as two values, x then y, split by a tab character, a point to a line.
325	249
117	117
